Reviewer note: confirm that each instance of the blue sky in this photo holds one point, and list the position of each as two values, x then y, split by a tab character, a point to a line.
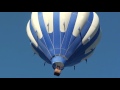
17	59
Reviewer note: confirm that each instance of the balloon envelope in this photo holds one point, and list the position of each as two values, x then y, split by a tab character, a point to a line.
64	38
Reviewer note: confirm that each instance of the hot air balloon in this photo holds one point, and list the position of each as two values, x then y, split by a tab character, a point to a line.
63	39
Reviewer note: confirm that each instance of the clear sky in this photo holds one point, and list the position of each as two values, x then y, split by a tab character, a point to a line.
18	61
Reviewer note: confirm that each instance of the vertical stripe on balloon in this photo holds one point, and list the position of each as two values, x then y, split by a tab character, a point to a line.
68	33
56	24
45	33
41	45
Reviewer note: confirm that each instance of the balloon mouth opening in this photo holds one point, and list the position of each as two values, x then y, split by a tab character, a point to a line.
58	61
58	64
